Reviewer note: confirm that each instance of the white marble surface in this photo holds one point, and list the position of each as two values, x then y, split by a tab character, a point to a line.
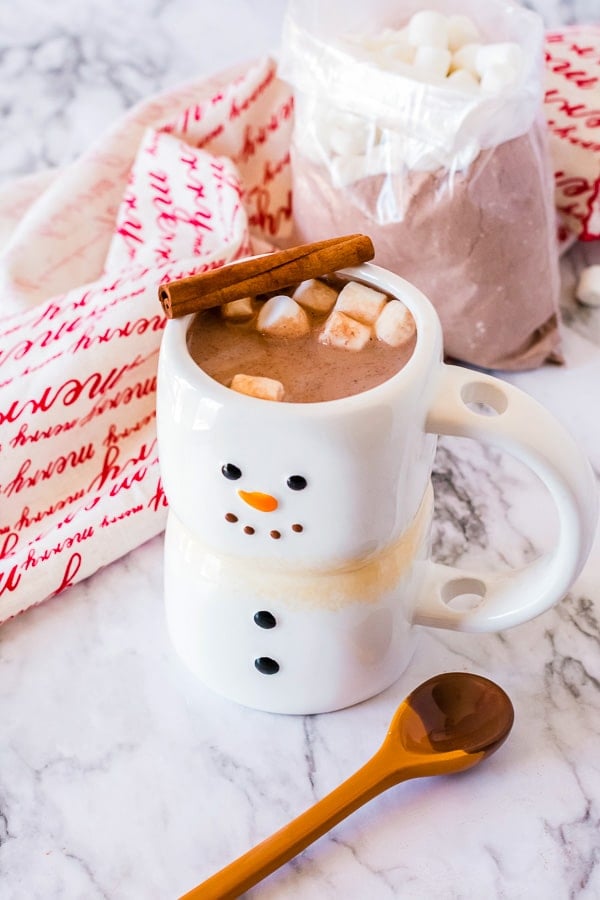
121	779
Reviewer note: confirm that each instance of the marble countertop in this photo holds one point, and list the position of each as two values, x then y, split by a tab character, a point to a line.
120	778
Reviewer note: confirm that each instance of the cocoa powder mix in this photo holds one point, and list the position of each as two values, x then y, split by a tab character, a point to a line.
477	243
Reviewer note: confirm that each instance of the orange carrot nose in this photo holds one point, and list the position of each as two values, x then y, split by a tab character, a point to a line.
264	502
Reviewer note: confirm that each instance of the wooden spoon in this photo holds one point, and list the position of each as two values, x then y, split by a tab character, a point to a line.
448	724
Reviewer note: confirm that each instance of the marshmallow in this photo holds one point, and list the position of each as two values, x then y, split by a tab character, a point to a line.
432	48
360	302
497	77
463	80
466	58
381	160
283	317
257	386
428	28
505	54
432	63
348	134
315	296
588	286
395	325
345	333
389	36
238	310
394	49
461	30
395	58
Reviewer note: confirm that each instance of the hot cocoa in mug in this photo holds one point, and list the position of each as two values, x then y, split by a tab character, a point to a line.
297	550
323	340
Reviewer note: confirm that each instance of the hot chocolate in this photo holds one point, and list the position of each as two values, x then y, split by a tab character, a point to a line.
322	341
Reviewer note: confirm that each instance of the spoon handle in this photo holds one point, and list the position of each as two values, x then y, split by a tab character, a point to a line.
246	871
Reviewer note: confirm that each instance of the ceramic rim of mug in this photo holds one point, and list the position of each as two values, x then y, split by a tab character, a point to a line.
426	352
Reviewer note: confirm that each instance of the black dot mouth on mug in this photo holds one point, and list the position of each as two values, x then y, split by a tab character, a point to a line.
274	534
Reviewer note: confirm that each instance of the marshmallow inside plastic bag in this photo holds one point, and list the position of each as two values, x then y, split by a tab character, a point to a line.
415	123
450	178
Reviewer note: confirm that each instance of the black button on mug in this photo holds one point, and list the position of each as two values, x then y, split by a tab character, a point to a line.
266	665
265	619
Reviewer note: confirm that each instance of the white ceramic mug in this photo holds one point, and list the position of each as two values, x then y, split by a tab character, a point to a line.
297	544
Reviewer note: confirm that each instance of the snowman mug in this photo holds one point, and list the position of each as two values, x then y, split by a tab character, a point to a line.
326	615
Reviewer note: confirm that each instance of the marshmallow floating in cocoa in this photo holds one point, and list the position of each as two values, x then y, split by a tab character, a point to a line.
315	295
356	314
360	302
257	386
395	325
361	313
588	286
238	310
282	317
345	333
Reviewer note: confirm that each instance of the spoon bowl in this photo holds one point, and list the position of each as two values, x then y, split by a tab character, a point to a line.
455	711
448	724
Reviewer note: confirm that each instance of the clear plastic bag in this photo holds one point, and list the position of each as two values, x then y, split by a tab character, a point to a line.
453	186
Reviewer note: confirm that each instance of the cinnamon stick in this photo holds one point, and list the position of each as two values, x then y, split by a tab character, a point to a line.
263	274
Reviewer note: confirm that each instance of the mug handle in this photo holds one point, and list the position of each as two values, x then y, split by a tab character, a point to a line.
529	432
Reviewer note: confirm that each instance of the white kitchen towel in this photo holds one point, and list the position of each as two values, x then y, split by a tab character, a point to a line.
185	182
572	108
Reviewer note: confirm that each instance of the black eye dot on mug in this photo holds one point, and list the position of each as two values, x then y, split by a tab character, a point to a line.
296	482
230	471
